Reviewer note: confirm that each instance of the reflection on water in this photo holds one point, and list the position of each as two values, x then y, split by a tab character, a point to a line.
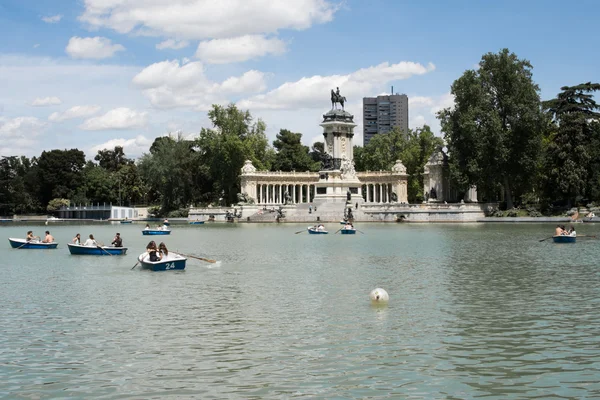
474	311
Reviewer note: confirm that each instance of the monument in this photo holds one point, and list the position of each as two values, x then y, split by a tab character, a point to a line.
338	182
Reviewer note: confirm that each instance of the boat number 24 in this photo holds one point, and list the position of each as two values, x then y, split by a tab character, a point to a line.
170	265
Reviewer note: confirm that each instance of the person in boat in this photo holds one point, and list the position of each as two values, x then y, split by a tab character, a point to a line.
91	242
320	228
77	239
117	241
164	252
147	227
591	215
31	237
153	253
166	221
564	230
558	231
49	238
165	227
572	231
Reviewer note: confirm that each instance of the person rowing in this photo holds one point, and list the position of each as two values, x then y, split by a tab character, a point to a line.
91	242
31	237
117	241
153	253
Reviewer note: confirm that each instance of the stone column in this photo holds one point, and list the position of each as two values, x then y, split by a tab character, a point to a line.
293	193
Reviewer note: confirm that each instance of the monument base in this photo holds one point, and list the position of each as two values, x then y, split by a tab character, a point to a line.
333	188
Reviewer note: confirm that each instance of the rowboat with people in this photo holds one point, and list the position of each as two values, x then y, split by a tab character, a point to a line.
146	232
564	239
348	230
166	263
17	243
196	222
79	249
317	230
126	221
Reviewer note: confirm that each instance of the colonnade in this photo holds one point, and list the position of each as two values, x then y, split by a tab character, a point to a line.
274	193
377	192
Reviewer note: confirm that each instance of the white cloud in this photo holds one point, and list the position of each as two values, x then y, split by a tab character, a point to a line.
423	110
168	84
133	147
17	135
314	91
242	48
52	19
96	47
46	101
35	46
119	118
172	44
203	19
74	112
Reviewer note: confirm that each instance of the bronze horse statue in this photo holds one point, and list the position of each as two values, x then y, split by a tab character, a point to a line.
337	98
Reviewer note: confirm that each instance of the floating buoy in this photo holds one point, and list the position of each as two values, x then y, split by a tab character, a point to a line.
379	295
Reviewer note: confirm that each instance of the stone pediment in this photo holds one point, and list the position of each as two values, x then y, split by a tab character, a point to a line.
248	168
399	168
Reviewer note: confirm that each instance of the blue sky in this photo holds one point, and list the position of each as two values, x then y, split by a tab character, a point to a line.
98	73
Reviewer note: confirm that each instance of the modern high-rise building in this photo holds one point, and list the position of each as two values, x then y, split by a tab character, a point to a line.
382	113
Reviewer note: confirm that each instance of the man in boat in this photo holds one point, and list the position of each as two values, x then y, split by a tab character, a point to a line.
117	241
30	236
558	231
49	238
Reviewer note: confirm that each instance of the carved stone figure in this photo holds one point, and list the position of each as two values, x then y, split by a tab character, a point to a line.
248	168
348	196
243	198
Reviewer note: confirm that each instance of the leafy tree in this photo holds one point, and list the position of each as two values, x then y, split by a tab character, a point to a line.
292	155
56	204
494	131
112	160
318	154
224	149
169	172
18	186
570	157
382	151
59	173
358	152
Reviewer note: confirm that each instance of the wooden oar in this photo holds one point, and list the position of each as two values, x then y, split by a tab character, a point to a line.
541	240
338	230
22	245
303	230
588	236
99	245
361	232
136	264
198	258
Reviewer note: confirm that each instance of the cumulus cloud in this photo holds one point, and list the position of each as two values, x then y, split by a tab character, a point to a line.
242	48
52	19
74	112
169	84
423	110
92	47
17	135
119	118
311	92
46	101
133	147
203	19
172	44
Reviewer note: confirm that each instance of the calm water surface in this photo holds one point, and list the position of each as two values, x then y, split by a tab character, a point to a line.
474	311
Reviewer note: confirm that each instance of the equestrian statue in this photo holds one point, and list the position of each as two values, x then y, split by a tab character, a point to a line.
336	97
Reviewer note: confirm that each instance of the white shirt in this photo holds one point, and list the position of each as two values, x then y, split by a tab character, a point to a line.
90	242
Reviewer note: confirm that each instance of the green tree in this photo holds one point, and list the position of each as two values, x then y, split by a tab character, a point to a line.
572	156
421	143
56	204
169	171
292	155
494	131
112	160
60	173
223	149
18	186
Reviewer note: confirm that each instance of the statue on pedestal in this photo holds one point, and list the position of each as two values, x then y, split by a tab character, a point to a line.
336	97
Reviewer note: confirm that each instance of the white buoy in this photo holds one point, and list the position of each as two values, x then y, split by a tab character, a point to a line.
379	295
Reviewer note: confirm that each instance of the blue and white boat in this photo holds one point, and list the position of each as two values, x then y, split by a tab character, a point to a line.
317	230
348	231
156	232
564	239
33	244
171	262
126	221
196	222
96	250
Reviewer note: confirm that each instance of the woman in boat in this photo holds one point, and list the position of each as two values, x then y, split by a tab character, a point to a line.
147	227
91	241
152	251
164	252
30	236
77	239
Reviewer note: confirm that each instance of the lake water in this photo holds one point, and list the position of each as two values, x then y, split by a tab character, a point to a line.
475	310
